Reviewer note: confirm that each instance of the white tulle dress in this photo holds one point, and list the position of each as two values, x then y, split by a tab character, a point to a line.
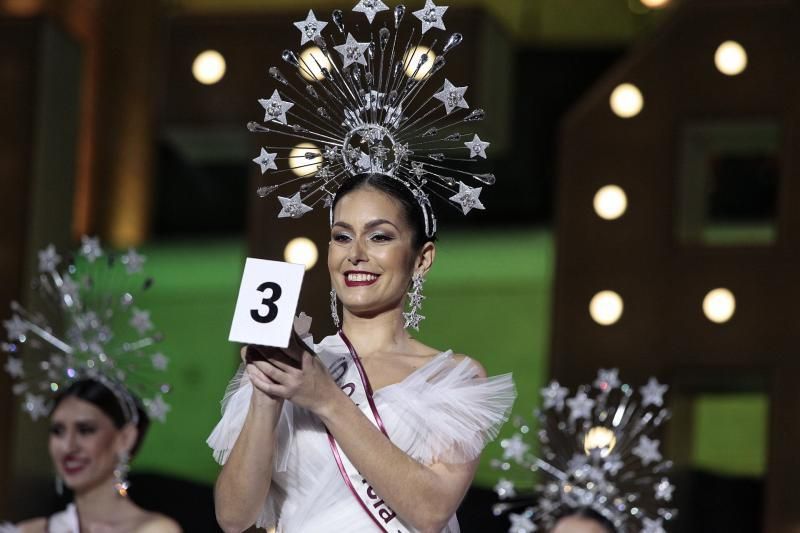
440	413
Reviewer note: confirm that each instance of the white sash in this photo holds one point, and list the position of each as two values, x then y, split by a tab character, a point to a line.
342	362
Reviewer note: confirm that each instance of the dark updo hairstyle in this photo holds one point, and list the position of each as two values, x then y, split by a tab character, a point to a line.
588	513
99	395
397	190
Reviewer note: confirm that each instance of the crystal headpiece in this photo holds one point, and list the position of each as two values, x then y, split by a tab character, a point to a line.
596	450
370	104
89	327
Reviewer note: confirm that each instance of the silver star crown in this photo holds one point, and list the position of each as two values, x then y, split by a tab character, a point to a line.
99	332
377	102
596	449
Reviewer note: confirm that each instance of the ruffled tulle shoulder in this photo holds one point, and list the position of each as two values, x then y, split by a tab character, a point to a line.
8	527
444	412
235	405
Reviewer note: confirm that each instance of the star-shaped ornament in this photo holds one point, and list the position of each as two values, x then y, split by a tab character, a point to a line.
35	406
140	321
514	448
275	108
468	197
48	259
452	97
653	526
133	261
653	393
580	407
647	450
352	51
431	16
554	396
505	489
90	248
664	490
15	328
159	361
412	319
309	28
477	147
266	161
521	523
370	8
14	367
157	408
607	379
418	169
292	207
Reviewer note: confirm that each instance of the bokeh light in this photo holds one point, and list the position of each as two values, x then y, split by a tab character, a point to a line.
610	202
208	67
730	58
719	305
301	251
626	100
606	307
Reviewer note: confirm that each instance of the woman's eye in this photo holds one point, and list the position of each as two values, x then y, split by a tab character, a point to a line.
341	237
380	237
86	430
56	430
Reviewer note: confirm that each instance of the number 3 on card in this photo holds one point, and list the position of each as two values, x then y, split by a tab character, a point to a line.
267	303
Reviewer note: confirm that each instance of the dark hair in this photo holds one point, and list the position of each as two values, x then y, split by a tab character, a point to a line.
589	514
99	395
397	190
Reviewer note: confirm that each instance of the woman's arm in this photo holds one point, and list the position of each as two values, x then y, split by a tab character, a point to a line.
424	496
243	484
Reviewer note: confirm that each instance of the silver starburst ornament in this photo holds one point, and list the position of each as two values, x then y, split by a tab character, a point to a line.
372	98
87	325
596	450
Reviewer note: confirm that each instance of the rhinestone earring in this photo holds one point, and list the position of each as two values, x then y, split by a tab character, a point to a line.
334	310
415	297
121	483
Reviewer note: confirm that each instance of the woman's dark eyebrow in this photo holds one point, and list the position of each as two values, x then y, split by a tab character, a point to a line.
377	222
369	225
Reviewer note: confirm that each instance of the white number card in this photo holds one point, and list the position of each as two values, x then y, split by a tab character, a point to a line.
267	302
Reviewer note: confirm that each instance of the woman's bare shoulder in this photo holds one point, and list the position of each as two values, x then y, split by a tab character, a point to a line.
158	523
33	525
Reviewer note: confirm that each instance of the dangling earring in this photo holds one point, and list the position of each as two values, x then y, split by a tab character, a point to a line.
121	483
334	311
415	297
59	485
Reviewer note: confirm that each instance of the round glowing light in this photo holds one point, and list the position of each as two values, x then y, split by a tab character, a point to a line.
655	4
305	159
626	100
301	251
312	61
730	58
610	202
599	439
606	307
412	58
208	67
719	305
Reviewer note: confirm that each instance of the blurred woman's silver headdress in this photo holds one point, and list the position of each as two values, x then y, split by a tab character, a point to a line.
371	104
89	327
597	450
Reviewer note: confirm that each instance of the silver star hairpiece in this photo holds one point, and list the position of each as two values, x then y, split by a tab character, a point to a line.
90	327
597	450
371	101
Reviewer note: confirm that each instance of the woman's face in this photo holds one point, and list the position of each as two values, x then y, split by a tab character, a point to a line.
578	524
84	444
371	257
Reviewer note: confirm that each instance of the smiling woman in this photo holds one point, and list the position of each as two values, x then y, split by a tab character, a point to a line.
91	440
390	429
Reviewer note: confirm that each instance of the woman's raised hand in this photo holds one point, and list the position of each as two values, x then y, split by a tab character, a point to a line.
305	382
